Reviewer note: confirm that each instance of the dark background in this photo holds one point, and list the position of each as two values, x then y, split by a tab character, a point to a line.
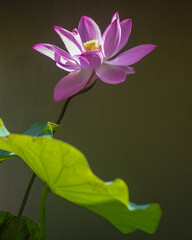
139	130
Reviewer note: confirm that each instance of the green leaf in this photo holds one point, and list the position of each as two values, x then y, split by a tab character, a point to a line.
42	130
28	228
66	172
6	155
37	130
3	130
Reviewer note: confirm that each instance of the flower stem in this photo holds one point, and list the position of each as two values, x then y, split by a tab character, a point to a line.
28	190
61	115
23	206
63	111
67	102
43	212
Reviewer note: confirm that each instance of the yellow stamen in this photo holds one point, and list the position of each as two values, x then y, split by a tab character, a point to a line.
91	45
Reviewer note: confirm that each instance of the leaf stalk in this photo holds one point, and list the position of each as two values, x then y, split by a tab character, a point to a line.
44	194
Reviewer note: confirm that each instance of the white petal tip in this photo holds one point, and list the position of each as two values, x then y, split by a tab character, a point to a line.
37	46
57	28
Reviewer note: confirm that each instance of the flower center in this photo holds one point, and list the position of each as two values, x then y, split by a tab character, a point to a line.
91	45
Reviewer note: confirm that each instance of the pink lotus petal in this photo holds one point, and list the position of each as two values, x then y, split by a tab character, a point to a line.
77	37
68	66
126	27
127	69
111	74
84	65
132	55
111	39
71	40
89	60
52	51
71	84
91	81
89	30
62	58
115	16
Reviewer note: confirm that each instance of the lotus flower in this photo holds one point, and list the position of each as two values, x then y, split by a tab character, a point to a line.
90	55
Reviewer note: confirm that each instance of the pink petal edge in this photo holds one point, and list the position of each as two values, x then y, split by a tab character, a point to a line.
132	55
126	27
71	84
89	60
52	51
71	40
115	16
89	30
111	74
111	39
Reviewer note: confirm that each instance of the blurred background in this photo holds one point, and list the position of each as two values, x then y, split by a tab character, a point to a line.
139	130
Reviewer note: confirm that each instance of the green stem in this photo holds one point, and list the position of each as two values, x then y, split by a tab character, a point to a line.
63	110
43	212
23	206
61	115
67	103
20	213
